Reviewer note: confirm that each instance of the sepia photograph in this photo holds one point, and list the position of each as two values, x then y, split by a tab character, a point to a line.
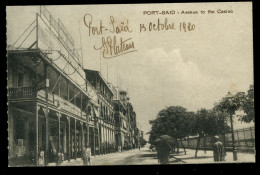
130	84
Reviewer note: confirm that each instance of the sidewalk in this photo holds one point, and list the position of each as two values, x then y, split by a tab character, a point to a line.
98	159
189	158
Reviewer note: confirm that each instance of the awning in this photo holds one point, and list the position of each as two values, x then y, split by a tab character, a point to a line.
96	112
91	114
124	124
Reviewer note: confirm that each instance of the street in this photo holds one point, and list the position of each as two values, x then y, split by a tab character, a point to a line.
131	157
147	157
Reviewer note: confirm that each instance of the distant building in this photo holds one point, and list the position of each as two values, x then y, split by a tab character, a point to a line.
106	120
126	129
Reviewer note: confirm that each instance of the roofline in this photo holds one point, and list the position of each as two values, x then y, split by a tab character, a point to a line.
100	75
121	103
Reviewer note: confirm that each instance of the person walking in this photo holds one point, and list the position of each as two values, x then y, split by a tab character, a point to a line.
164	144
218	150
41	158
158	155
163	153
87	155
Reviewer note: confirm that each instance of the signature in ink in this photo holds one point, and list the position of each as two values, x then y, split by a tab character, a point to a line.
113	48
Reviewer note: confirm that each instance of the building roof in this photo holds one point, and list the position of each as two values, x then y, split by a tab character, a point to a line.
100	76
120	102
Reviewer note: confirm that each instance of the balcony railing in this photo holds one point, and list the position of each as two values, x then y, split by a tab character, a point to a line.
105	97
23	92
59	102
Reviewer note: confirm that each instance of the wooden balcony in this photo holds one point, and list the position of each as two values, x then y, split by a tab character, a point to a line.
54	100
21	93
61	103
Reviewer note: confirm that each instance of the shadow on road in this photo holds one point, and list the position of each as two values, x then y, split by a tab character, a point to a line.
175	161
147	151
177	154
152	155
202	157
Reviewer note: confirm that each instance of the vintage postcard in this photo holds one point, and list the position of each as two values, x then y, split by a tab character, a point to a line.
130	84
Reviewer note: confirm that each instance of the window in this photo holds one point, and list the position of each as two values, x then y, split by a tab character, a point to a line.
20	79
89	110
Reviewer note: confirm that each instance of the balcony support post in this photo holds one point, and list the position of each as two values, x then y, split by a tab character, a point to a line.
75	140
59	144
37	135
69	148
46	118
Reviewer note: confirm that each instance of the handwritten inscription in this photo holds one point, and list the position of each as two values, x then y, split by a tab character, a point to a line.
166	26
93	30
113	36
120	28
111	46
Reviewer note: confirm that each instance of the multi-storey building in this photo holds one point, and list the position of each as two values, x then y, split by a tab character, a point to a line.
55	106
50	104
126	135
46	109
132	124
106	120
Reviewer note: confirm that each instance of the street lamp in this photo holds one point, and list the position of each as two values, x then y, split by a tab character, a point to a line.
231	111
224	134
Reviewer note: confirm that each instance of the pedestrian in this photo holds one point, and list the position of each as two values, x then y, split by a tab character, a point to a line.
218	150
163	153
59	158
87	155
151	148
158	155
164	157
41	158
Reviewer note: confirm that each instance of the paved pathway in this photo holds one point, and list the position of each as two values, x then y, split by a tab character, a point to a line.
148	157
207	157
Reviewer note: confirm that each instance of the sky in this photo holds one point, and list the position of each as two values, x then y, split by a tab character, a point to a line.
170	67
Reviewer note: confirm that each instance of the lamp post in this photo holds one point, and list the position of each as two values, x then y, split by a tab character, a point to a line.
224	134
231	111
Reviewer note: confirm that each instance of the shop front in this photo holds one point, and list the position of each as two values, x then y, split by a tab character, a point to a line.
21	135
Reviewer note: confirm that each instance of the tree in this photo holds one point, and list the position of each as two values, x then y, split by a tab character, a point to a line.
248	106
199	125
208	123
173	121
179	123
240	101
183	127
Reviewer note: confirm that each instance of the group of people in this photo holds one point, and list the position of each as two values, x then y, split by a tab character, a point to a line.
163	152
86	157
